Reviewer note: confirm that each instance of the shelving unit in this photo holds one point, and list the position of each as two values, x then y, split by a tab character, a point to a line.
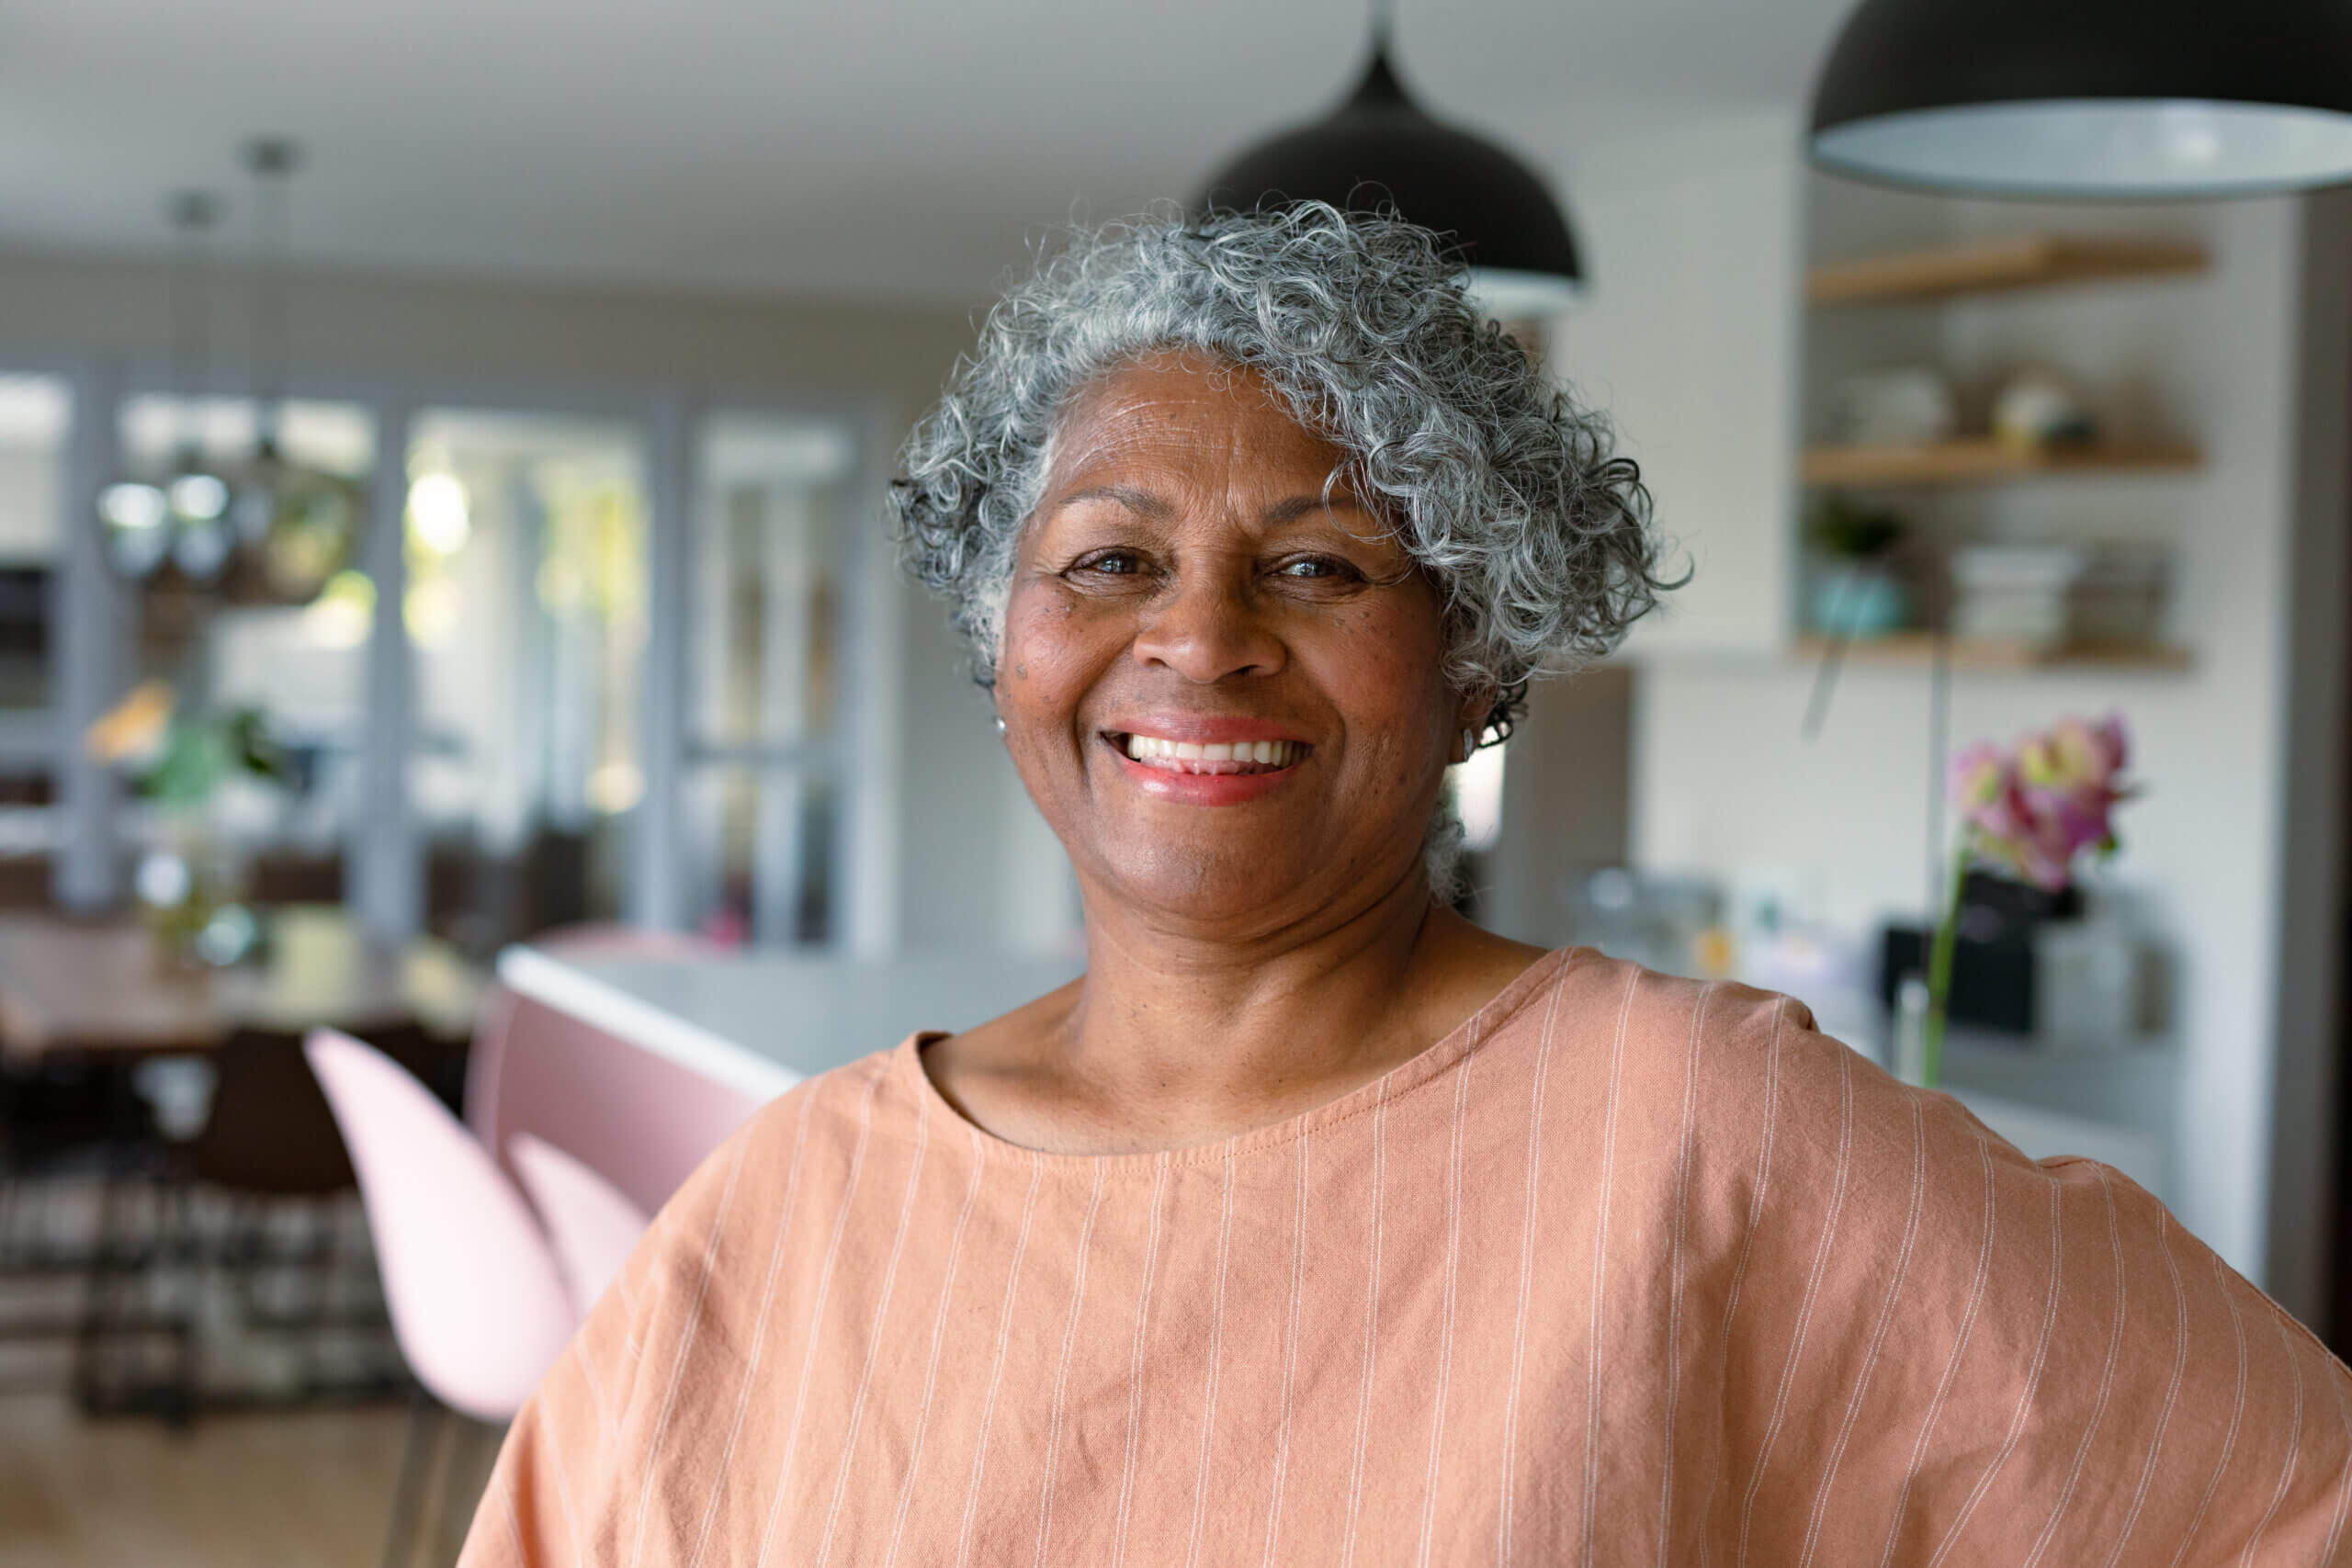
1983	461
1917	648
2025	261
1935	275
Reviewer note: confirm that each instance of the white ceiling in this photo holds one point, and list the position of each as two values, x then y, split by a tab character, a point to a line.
900	149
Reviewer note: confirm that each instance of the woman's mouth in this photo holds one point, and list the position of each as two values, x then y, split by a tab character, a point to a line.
1210	758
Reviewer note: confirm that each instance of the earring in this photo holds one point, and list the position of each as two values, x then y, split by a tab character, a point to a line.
1469	743
1000	724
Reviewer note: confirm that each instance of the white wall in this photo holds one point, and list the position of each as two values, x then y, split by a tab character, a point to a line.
1696	244
1725	783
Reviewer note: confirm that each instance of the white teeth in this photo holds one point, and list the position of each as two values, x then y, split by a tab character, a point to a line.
1213	756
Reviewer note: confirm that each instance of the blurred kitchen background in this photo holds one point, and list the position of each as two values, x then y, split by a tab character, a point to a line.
443	597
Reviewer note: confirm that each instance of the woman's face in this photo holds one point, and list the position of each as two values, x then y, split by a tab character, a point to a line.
1220	681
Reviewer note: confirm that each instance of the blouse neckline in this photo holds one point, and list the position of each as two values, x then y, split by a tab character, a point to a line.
1434	1062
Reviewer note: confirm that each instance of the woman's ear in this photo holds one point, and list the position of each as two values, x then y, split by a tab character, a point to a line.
1469	724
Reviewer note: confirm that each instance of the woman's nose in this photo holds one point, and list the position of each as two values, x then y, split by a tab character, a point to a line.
1207	629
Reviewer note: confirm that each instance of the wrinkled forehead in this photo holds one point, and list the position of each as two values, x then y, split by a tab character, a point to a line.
1181	411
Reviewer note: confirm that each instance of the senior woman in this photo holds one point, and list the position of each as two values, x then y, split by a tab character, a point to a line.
1314	1224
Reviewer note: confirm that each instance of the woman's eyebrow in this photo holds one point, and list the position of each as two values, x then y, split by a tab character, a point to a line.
1137	500
1300	506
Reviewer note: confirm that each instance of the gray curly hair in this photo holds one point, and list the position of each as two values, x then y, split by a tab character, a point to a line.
1502	488
1506	493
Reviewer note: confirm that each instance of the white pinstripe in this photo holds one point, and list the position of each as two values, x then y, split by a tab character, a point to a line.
620	1284
1812	1292
817	1314
2294	1445
2343	1487
1290	1354
938	1337
2025	1400
1747	1249
1370	1328
1951	1362
726	1471
563	1481
1526	1283
2179	1366
514	1523
685	1344
1445	1322
2237	1411
607	1422
1135	1371
996	1373
1597	1321
1878	1337
2105	1378
1061	1375
1676	1271
1216	1347
873	1332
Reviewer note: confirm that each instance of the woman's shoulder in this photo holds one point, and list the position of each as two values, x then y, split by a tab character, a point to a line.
1654	1024
1728	1083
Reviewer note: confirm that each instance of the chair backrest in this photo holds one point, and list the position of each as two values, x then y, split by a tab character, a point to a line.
638	1119
477	1301
594	1227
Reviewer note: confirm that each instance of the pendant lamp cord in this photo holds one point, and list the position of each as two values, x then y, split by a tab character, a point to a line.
193	215
271	161
1383	25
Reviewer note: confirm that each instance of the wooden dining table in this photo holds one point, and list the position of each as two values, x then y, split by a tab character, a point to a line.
104	988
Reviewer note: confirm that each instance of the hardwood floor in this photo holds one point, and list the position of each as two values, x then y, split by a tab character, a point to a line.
289	1491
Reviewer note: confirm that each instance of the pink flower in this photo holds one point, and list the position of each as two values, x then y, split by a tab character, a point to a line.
2033	812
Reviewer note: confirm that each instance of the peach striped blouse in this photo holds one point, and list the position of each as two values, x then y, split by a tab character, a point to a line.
1627	1270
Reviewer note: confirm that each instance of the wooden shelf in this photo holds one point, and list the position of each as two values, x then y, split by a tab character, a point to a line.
1919	648
1984	266
1981	460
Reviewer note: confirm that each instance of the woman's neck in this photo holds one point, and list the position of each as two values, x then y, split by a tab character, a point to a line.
1175	1038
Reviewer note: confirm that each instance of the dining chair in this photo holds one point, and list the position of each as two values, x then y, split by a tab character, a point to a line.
591	1224
478	1299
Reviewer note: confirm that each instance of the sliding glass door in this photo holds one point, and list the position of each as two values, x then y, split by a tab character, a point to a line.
580	659
760	829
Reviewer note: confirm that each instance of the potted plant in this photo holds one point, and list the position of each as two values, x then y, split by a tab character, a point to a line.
1857	589
189	885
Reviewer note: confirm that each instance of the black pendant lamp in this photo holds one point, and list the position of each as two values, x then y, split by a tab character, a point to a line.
298	525
2072	98
1378	150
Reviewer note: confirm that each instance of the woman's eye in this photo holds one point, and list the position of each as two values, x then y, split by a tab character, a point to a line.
1112	563
1312	567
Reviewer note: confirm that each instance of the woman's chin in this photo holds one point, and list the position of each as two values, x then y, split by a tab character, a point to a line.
1236	884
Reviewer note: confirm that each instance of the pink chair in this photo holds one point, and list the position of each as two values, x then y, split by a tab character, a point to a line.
598	1131
479	1305
478	1302
591	1226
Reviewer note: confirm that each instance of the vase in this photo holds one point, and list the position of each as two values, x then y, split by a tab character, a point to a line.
184	885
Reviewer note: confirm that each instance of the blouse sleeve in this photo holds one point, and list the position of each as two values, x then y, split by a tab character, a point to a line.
2036	1363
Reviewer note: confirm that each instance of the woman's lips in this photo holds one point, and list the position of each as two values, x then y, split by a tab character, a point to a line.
1207	772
